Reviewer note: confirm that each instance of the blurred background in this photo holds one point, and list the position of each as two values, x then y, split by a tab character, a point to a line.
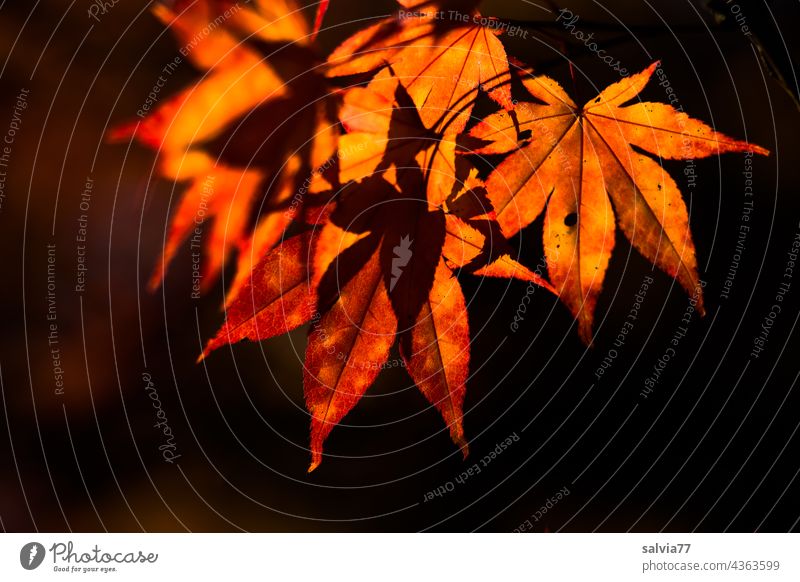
713	447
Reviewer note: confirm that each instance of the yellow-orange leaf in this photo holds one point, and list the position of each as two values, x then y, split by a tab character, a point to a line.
442	63
578	161
379	231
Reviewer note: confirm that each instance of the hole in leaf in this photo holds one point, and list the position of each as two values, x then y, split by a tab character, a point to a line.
571	219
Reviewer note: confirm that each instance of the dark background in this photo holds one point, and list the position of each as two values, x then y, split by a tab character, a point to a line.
714	448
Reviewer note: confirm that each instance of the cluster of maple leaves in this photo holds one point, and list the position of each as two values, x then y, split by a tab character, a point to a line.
347	188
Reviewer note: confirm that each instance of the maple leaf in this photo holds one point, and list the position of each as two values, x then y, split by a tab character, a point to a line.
387	287
363	283
212	134
580	165
383	258
442	57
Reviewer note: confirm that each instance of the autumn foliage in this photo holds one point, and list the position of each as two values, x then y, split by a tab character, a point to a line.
347	186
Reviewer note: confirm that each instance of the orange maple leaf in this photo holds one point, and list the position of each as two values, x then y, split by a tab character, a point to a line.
389	274
577	162
442	57
214	135
397	281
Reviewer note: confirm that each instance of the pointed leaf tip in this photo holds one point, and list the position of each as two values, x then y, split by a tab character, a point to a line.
464	446
202	356
321	10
